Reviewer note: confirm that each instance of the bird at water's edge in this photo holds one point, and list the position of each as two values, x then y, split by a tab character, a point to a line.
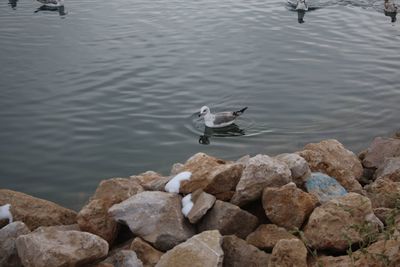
220	119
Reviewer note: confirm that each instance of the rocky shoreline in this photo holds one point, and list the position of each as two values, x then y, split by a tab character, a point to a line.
321	206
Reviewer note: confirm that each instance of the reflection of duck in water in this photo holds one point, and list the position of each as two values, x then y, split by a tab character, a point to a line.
231	130
13	3
52	5
390	9
301	8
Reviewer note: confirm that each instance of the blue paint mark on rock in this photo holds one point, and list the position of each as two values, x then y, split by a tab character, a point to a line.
324	187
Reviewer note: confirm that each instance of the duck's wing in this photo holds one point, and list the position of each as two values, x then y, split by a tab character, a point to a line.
224	117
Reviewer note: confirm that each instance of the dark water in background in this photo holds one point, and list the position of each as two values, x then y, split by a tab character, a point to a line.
111	88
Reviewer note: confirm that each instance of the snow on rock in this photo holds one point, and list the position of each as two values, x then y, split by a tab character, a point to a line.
174	184
187	205
5	213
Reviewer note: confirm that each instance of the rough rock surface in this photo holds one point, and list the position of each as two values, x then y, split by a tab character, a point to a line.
176	168
69	227
201	250
266	236
238	253
289	253
332	158
214	176
35	212
383	213
124	258
385	253
389	170
334	224
379	150
8	251
151	181
324	187
288	206
228	219
260	171
383	193
117	189
330	261
145	252
298	167
202	202
94	218
156	217
50	247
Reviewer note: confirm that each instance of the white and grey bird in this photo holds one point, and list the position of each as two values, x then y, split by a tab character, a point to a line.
220	119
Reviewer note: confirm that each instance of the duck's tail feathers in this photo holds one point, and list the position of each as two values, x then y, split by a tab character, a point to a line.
239	112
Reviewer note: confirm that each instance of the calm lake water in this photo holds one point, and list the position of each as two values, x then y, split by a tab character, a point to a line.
112	88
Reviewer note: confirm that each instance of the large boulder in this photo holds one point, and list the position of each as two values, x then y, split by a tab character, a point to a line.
324	187
288	206
298	167
202	202
8	250
332	158
383	193
260	171
94	218
379	150
238	253
340	222
35	212
156	217
124	258
51	247
214	176
200	250
266	236
228	219
289	253
389	169
145	252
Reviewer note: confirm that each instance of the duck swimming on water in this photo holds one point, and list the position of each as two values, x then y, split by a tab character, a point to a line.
220	119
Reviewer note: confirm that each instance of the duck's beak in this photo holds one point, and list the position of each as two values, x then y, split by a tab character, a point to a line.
200	114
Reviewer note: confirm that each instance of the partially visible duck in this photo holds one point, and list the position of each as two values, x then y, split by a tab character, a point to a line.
389	6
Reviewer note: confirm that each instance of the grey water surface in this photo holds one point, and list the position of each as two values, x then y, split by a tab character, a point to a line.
113	88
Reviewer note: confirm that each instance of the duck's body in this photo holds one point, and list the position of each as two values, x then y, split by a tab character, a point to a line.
390	6
221	119
301	5
52	3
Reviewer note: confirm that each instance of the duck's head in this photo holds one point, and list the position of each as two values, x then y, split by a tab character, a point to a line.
204	110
